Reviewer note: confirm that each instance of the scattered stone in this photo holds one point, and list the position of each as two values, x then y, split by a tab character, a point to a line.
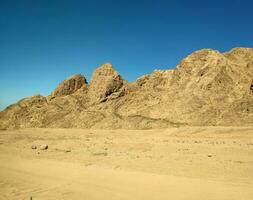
44	147
251	87
68	150
100	154
33	147
239	161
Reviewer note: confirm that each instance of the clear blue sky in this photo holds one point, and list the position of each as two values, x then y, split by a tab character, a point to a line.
43	42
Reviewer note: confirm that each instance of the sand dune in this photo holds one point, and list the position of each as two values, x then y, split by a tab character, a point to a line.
176	163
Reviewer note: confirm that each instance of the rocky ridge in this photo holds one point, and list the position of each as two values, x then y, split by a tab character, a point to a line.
207	88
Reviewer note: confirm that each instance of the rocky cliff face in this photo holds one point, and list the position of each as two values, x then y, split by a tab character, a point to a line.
206	88
105	82
69	86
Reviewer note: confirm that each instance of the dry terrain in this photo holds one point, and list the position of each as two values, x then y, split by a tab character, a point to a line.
175	163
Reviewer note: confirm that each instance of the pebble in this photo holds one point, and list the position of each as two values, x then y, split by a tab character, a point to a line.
44	147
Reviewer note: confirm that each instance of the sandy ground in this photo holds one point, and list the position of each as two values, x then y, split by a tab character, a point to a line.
177	163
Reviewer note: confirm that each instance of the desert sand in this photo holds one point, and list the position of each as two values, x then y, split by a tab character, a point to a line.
174	163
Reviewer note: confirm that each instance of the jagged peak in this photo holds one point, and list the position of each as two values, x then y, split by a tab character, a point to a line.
240	55
206	50
105	81
31	98
69	85
106	69
106	65
201	58
239	51
74	76
204	53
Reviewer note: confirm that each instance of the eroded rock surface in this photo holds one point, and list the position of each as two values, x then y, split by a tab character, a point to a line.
105	82
69	86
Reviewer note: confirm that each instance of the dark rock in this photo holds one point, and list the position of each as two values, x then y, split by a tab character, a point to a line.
44	147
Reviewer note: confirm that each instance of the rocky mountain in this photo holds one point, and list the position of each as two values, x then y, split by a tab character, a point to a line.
207	88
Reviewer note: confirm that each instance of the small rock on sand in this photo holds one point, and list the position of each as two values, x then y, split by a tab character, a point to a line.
99	153
34	147
44	147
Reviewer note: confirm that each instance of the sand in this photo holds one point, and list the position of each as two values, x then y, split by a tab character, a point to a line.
175	163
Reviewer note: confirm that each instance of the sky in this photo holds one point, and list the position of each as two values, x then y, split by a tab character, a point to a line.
42	42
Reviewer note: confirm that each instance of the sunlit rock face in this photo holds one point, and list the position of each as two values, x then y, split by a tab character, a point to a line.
105	82
69	85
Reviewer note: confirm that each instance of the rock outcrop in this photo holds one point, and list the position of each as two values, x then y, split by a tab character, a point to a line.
206	88
69	86
105	82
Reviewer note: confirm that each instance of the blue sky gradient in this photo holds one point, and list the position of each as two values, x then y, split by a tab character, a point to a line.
42	42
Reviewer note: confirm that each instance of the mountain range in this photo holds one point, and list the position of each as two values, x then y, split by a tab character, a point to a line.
207	88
